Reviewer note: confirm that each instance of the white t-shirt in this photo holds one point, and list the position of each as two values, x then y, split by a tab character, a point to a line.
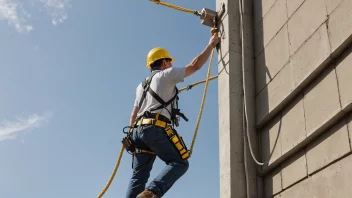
163	84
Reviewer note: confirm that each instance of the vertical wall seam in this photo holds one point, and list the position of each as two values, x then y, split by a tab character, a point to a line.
338	85
304	113
329	36
326	10
281	182
348	130
305	129
305	155
288	35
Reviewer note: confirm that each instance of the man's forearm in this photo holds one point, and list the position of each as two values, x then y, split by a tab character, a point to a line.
133	116
132	119
202	58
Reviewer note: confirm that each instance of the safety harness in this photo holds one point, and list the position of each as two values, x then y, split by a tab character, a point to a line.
148	118
175	111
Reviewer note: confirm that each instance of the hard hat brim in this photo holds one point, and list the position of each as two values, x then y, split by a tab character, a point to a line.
148	65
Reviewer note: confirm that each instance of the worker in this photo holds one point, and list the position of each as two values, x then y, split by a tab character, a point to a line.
153	138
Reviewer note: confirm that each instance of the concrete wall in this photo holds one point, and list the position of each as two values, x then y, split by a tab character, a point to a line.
298	77
237	170
303	93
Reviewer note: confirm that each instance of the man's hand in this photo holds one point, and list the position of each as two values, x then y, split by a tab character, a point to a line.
214	40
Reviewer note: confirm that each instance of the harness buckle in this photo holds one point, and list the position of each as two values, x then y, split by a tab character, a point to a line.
137	150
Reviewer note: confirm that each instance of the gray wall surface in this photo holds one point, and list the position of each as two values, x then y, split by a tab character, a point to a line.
298	67
237	171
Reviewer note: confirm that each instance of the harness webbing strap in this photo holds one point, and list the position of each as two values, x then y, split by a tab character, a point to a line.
146	87
161	101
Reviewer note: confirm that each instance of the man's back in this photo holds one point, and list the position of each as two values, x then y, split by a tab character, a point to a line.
163	84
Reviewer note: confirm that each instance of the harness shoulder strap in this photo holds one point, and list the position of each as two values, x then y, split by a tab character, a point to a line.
163	104
146	86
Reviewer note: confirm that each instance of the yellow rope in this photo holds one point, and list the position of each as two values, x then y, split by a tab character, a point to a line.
113	174
203	101
197	83
176	7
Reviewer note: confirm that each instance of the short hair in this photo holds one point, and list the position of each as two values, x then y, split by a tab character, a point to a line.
156	64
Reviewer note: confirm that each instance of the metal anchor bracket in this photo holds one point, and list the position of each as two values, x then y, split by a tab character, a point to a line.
207	16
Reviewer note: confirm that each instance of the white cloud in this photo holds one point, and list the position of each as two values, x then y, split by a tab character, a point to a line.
10	129
14	13
57	10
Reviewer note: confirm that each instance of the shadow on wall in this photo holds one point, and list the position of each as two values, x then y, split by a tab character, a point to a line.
268	146
270	151
262	73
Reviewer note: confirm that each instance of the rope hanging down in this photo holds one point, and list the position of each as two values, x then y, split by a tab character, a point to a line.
176	7
245	117
203	101
113	173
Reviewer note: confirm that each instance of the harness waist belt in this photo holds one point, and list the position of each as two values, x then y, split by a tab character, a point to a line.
160	117
159	123
171	133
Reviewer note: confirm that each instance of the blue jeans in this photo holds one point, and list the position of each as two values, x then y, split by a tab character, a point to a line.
155	139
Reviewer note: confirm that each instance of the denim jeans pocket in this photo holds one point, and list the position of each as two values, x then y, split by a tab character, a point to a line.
153	135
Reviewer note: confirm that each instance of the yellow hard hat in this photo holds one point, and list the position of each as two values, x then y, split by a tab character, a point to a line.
156	54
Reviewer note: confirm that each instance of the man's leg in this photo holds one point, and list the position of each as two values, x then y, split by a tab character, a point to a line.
142	165
157	140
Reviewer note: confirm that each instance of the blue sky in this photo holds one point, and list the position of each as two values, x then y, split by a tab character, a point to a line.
69	69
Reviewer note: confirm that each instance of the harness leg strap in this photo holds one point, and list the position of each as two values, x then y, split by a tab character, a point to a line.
137	150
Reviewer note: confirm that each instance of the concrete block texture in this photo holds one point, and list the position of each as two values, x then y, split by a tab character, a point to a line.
311	56
230	128
231	37
293	125
321	100
274	93
277	196
340	27
344	76
261	7
270	26
292	6
227	75
300	190
331	145
229	41
233	180
272	183
305	21
333	181
294	169
331	5
270	141
248	32
269	62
